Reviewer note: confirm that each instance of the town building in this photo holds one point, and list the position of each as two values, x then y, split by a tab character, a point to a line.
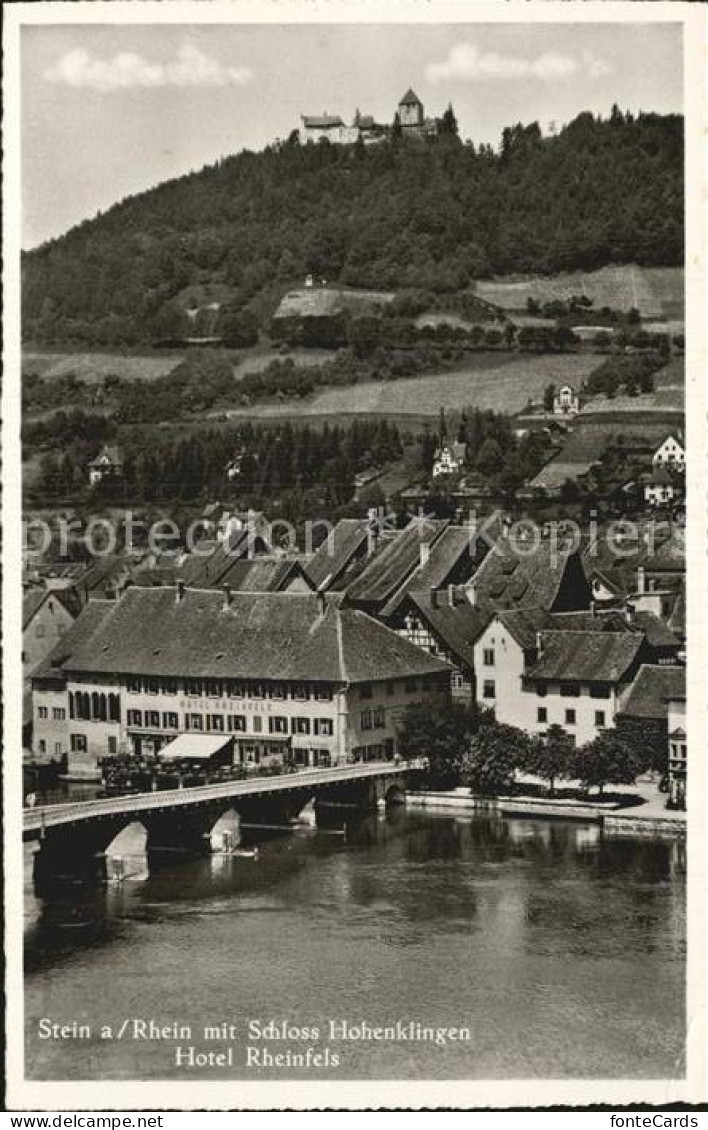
661	487
351	542
449	459
536	670
46	615
291	676
566	402
670	454
108	464
678	764
365	128
644	716
445	625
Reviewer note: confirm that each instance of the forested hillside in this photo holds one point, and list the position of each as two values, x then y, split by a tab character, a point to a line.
404	214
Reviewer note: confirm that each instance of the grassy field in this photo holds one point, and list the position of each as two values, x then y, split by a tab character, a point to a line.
503	382
657	292
95	367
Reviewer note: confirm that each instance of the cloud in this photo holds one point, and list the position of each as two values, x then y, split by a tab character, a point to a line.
468	64
128	70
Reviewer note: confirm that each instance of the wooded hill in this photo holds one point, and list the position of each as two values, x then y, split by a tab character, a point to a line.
433	215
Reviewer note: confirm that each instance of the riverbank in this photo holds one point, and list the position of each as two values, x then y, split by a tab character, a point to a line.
641	811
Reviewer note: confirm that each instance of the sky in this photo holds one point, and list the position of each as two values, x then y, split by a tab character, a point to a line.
111	110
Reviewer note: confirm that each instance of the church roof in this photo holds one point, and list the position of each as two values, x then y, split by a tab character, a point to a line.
321	121
410	98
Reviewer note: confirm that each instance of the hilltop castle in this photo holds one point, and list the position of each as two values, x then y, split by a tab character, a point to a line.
410	112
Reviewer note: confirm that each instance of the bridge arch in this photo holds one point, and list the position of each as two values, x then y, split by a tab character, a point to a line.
394	794
126	854
225	834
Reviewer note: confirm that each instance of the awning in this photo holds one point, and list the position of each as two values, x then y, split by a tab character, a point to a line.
193	747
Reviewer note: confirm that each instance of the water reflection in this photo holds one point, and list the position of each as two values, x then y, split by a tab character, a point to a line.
524	928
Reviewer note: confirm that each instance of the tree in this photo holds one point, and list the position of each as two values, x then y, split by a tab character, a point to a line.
548	396
551	756
441	735
397	128
493	757
608	760
448	123
489	457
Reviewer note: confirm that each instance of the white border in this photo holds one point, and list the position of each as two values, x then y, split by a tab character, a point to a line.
223	1095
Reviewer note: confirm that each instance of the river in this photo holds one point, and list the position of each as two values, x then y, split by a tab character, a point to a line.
556	951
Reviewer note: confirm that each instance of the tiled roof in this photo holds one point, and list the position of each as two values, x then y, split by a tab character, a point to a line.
78	634
410	98
33	599
321	121
337	552
586	656
113	454
507	579
262	574
650	689
459	626
452	556
386	572
282	636
210	560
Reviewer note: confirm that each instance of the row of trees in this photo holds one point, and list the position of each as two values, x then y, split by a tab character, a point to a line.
387	216
464	748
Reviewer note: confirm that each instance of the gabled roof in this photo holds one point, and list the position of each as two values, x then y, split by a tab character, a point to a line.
410	98
508	579
34	599
321	121
601	657
386	572
110	453
264	636
459	626
263	574
651	688
341	546
453	555
81	630
210	560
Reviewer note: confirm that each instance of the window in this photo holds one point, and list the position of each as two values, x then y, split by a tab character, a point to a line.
114	708
489	689
43	712
78	743
215	723
236	690
410	686
278	724
570	717
379	718
39	631
170	721
599	717
570	690
152	686
112	745
323	694
457	681
324	727
279	691
489	657
42	745
236	723
300	725
193	687
134	684
366	690
169	686
542	714
541	689
194	722
366	719
152	719
257	724
256	690
135	717
599	690
213	688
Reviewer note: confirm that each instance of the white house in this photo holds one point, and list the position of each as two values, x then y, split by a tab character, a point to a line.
660	488
676	722
566	402
670	454
449	459
107	464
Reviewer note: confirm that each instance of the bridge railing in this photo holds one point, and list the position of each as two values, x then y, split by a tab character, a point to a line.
52	815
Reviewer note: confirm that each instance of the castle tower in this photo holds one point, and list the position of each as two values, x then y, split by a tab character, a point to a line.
410	110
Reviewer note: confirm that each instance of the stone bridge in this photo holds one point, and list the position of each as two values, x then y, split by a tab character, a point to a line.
110	837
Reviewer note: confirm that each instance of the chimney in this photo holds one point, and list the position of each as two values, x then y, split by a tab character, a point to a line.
433	598
179	595
321	603
593	609
451	594
539	643
472	594
424	552
629	612
641	580
227	596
